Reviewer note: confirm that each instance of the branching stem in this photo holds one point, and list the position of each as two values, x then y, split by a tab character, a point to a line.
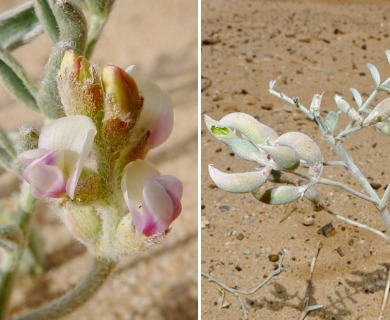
237	292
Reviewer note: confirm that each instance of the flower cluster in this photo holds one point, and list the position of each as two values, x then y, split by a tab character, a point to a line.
276	155
96	153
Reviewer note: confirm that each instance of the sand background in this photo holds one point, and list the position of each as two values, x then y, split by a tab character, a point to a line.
160	37
308	47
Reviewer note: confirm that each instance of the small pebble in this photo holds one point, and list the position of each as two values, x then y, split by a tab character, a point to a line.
340	252
308	221
273	257
328	230
375	185
238	268
240	236
224	208
267	106
205	223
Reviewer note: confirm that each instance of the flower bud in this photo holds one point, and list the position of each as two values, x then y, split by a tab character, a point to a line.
315	105
122	103
279	195
380	113
346	108
28	138
79	87
127	236
285	157
305	148
84	223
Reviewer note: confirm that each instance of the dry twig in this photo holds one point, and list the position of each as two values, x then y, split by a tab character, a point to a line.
237	292
309	308
385	298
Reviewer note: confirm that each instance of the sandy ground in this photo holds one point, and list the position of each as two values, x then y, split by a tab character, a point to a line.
161	39
308	47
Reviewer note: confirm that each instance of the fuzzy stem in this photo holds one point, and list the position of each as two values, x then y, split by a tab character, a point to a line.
26	207
346	188
292	102
95	29
348	131
76	297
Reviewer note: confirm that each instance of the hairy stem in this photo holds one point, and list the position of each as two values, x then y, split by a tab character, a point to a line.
346	188
95	29
76	297
26	207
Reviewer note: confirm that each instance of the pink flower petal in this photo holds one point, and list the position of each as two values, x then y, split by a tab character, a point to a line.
74	135
45	180
157	208
153	200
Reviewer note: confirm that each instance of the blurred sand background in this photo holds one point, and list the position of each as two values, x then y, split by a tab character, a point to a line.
309	47
160	37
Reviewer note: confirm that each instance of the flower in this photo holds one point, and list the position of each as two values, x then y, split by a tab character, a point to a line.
54	168
153	199
156	114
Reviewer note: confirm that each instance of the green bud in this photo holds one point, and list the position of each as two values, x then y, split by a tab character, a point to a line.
220	131
84	223
80	87
28	138
127	237
122	104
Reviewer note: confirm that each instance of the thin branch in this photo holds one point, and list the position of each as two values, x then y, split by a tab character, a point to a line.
309	308
385	197
385	298
292	102
346	188
354	223
237	292
335	163
348	131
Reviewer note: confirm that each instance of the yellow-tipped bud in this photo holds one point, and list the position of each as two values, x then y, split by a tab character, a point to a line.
122	103
80	87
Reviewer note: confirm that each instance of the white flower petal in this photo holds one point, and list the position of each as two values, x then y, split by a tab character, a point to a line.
74	135
156	114
134	175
